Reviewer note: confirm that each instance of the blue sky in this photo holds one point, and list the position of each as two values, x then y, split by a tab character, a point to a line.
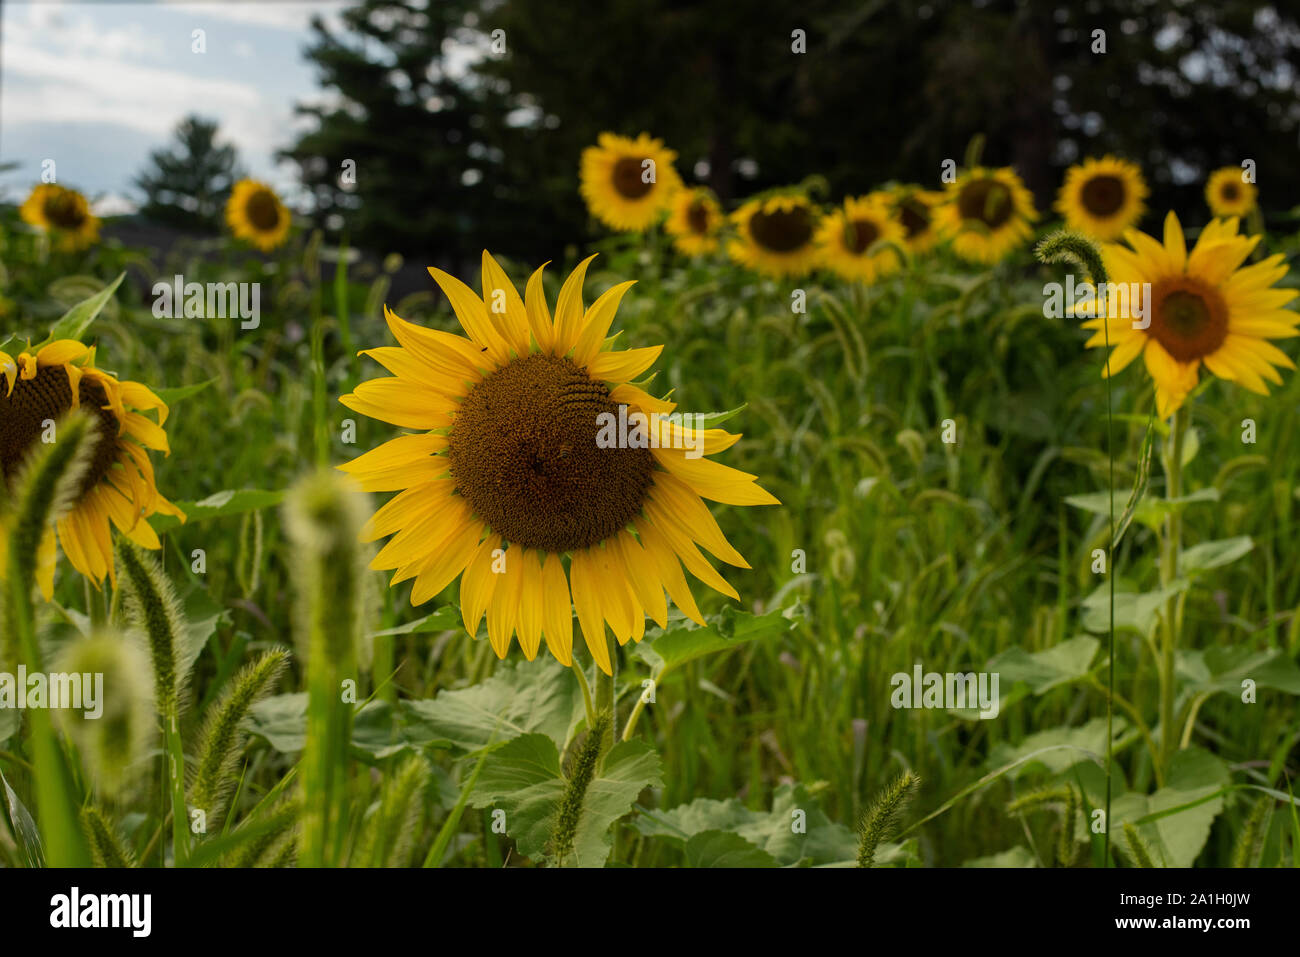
96	86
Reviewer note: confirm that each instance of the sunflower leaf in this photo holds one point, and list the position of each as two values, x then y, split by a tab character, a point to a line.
683	640
220	504
523	780
77	320
178	393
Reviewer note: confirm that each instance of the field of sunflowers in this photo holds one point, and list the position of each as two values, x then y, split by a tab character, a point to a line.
809	532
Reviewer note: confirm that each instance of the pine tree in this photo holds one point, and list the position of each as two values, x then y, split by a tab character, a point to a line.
187	184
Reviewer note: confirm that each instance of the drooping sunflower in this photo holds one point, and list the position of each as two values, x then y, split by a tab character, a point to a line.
1205	309
987	213
776	236
1229	194
914	208
508	473
118	486
628	183
254	213
63	213
695	221
846	236
1102	197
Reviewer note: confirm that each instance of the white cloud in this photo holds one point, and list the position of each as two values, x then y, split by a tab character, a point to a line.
280	16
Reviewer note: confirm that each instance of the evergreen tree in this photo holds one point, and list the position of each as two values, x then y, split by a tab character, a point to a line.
187	185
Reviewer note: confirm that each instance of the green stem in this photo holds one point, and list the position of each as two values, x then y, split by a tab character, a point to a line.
1171	619
176	780
636	711
586	693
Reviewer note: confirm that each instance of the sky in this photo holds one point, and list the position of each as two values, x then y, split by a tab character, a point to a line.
97	86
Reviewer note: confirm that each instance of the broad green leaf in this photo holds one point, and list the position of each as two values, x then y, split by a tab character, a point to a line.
789	837
1044	670
1175	821
1069	746
1018	856
1224	668
523	779
725	849
229	502
74	322
202	617
1134	611
445	618
1209	555
683	640
520	698
181	392
281	721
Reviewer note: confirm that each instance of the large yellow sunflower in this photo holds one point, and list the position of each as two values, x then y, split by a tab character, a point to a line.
118	486
1102	197
1205	308
63	213
914	208
695	221
987	213
511	469
255	213
628	183
776	236
847	234
1228	193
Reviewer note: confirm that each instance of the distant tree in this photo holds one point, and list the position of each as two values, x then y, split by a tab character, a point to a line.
403	156
187	184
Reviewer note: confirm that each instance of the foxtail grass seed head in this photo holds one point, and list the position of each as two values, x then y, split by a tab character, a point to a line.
387	839
880	820
222	739
569	814
1250	843
115	745
275	843
1137	847
324	514
153	608
107	847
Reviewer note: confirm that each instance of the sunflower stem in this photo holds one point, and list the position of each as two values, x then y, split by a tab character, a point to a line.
1172	545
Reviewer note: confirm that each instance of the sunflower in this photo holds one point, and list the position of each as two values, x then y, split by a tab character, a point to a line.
506	474
987	213
776	236
914	208
847	235
62	212
1228	193
628	183
118	485
1205	308
694	221
256	214
1102	197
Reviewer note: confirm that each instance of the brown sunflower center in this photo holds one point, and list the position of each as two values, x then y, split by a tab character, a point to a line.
697	217
914	215
63	211
986	200
48	396
1230	192
859	234
1103	195
524	454
1188	318
628	178
782	231
263	211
